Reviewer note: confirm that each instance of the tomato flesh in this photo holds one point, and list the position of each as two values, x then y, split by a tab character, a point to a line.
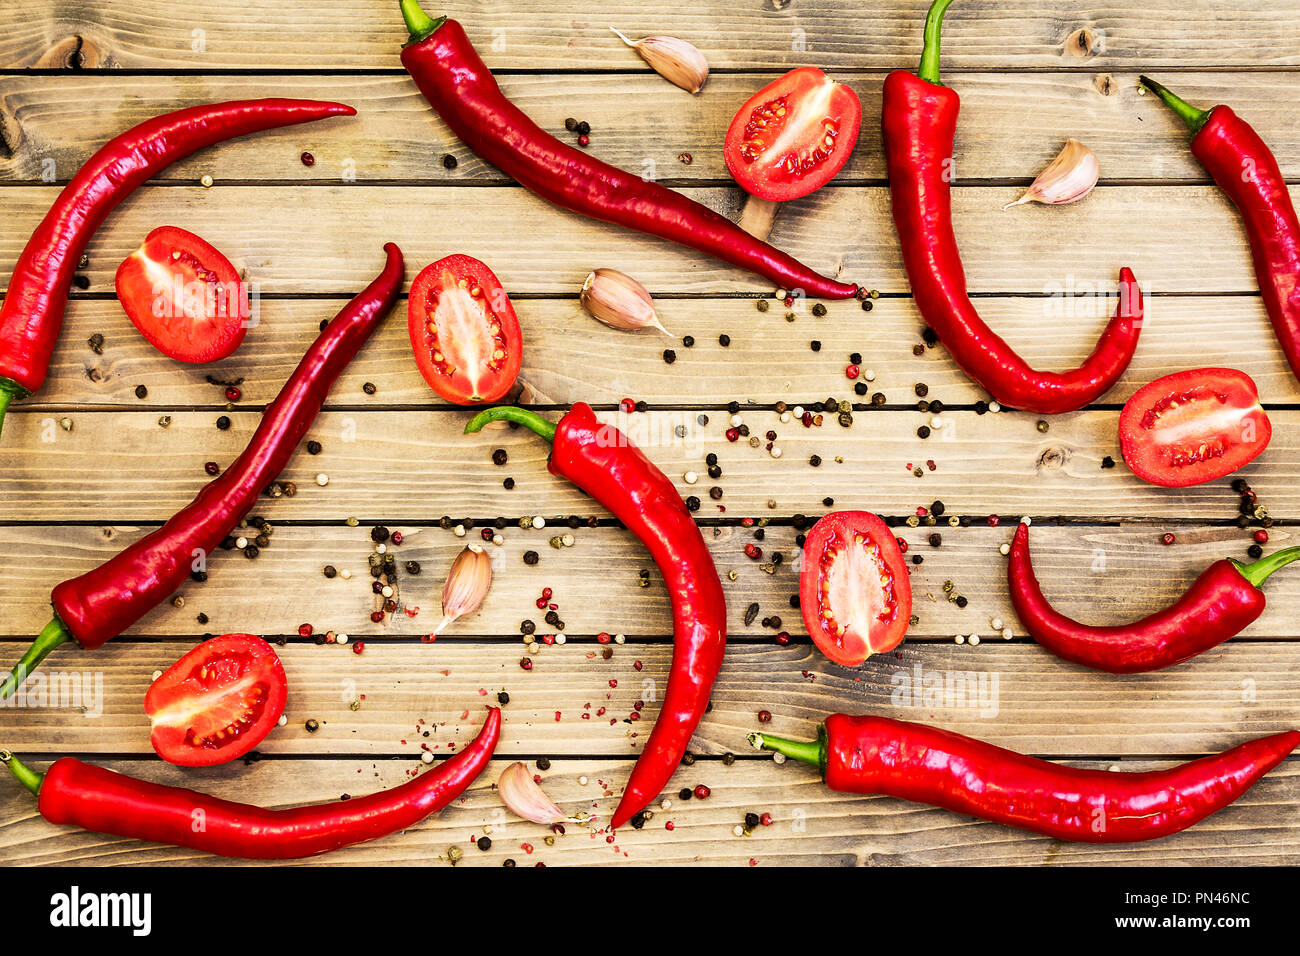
464	331
854	592
217	702
184	296
1193	426
793	135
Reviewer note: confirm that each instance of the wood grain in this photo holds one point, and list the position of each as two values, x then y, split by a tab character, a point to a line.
527	34
1014	695
811	825
1101	574
569	356
842	231
415	465
396	137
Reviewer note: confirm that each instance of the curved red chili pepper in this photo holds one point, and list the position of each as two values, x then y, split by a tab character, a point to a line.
100	604
104	801
460	87
1223	601
32	312
1246	170
862	754
919	120
601	461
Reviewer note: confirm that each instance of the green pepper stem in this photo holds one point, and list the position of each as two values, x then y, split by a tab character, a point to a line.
929	70
1193	117
418	22
809	751
54	634
6	397
1258	572
509	413
25	775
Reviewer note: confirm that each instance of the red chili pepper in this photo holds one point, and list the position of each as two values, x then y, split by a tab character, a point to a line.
100	604
460	87
104	801
601	461
32	312
863	754
919	120
1244	167
1223	601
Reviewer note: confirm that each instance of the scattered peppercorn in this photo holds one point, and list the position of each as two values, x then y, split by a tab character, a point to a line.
141	392
369	388
450	162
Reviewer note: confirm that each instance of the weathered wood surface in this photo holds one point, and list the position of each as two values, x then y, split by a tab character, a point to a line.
395	137
416	465
1098	573
74	74
569	356
811	826
842	231
266	35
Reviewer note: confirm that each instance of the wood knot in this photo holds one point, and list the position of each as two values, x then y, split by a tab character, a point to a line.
1105	84
1086	42
108	533
73	53
1052	459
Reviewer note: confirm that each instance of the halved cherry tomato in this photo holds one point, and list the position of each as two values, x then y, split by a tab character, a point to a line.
184	296
464	331
217	702
854	592
793	135
1193	426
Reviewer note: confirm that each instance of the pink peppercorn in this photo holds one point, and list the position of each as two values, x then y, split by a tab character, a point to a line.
733	434
358	647
304	630
702	792
627	405
1261	536
1167	538
233	394
851	371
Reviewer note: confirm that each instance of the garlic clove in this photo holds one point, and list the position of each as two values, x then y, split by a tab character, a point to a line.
619	301
675	60
466	585
524	797
1067	178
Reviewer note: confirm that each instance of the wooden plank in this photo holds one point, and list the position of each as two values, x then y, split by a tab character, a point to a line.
413	465
1014	695
845	231
397	137
284	587
527	34
811	825
568	356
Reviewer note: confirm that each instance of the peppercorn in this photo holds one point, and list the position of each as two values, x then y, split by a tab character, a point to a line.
935	540
715	492
1255	551
724	340
961	600
923	431
527	627
369	388
1167	538
867	305
499	456
503	698
714	471
379	534
141	391
921	389
312	725
583	127
670	356
1108	462
570	124
815	345
815	460
329	571
878	398
449	162
692	503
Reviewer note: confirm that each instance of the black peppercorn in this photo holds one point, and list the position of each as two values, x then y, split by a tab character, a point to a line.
379	534
449	162
223	423
141	392
724	340
499	457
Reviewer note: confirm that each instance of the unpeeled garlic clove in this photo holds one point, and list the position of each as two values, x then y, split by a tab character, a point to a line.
677	61
619	301
466	585
1068	178
524	797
